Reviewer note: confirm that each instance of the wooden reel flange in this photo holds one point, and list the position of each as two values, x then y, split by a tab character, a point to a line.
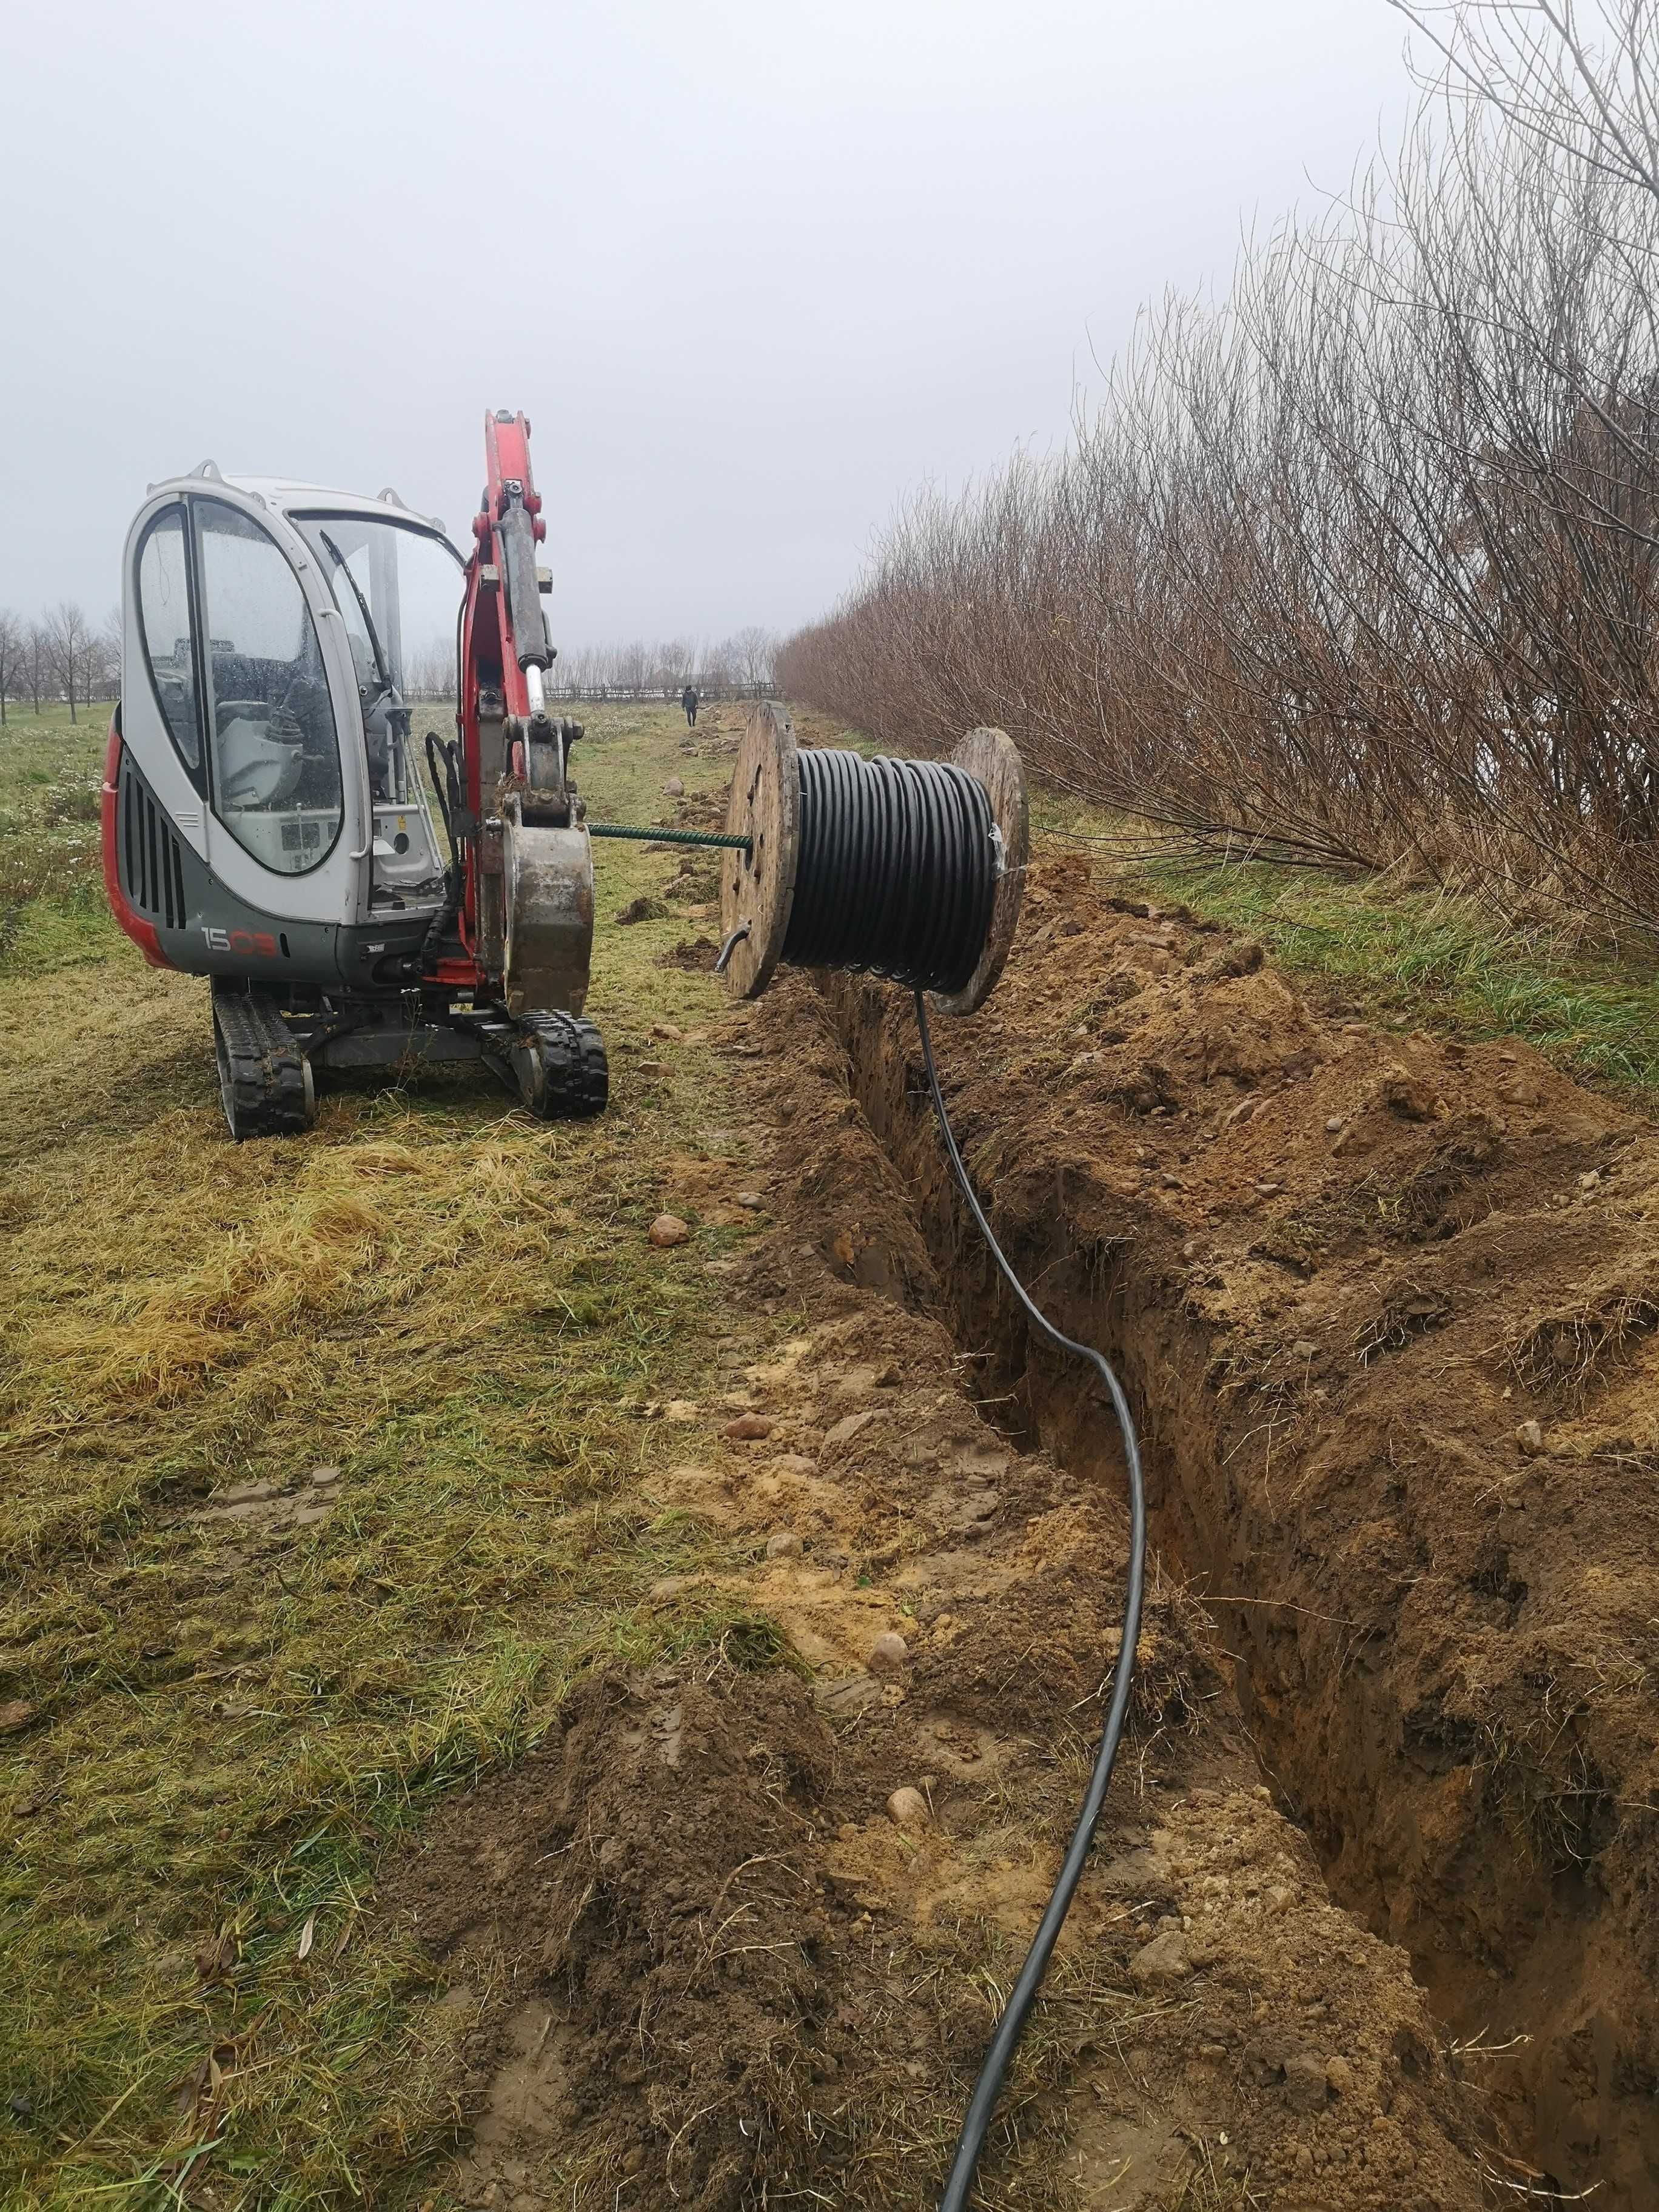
757	887
992	757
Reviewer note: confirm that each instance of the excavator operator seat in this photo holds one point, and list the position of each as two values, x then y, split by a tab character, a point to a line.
261	757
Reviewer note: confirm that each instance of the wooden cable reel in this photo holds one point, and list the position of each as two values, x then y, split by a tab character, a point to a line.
757	887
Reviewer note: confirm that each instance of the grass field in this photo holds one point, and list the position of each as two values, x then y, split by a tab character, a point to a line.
203	1758
51	895
458	1309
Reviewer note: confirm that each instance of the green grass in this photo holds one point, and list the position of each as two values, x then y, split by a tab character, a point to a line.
458	1308
52	913
1442	961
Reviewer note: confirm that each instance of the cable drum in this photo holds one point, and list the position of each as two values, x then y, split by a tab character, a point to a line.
910	870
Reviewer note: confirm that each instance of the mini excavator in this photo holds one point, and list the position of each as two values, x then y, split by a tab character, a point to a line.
265	813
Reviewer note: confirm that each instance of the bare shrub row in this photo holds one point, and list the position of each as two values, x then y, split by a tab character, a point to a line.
1356	569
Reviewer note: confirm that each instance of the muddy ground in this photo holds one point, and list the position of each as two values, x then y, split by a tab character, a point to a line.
1364	1925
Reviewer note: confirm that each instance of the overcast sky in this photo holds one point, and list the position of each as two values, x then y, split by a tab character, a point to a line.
753	268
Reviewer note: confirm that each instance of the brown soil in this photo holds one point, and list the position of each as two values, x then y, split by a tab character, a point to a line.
703	1963
1344	1273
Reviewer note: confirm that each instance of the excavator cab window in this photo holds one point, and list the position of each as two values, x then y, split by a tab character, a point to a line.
275	755
164	621
398	590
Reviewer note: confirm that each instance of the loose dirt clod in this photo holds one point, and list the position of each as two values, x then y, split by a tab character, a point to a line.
668	1229
749	1428
646	907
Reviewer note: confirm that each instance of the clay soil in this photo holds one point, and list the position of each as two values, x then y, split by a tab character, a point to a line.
1386	1304
705	1956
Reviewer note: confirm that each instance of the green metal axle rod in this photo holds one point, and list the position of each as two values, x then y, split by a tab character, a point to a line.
669	837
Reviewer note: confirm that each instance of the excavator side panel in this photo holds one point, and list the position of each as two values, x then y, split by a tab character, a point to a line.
178	912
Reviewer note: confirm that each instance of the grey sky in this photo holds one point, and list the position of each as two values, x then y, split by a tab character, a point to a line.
752	267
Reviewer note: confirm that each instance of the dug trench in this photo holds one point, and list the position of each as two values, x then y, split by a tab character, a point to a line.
1385	1305
734	1933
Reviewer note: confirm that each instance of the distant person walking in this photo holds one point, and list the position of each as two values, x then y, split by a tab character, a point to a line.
689	701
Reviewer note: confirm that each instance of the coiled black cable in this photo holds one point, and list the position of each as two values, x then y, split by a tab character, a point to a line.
896	872
1005	2041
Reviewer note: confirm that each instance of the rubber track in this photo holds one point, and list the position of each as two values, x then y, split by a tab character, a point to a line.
263	1091
578	1073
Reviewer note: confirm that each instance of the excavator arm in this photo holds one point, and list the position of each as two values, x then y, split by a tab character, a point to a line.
525	918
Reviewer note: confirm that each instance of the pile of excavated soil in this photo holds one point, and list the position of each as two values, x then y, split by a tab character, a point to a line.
1386	1304
736	1934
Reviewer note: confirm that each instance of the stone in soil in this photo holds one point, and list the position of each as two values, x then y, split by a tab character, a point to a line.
749	1428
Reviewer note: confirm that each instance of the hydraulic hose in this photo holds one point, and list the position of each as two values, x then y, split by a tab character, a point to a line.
443	766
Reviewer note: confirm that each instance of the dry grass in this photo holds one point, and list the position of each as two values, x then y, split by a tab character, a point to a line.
456	1307
1568	1351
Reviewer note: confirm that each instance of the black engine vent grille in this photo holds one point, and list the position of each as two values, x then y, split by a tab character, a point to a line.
152	868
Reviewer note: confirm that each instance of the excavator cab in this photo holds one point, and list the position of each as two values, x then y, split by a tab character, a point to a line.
273	637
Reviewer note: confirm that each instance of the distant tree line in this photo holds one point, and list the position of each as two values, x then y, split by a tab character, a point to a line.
62	658
741	666
58	658
1358	567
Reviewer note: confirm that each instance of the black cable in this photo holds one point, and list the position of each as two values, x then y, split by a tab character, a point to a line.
896	871
981	2105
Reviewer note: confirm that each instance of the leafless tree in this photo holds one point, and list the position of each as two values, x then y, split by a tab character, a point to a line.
1579	80
1362	566
105	658
36	664
12	637
429	671
71	644
751	653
